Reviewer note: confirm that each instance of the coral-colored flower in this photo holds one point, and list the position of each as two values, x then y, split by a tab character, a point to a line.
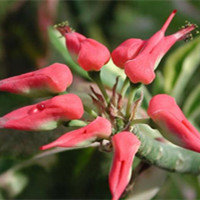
44	115
140	58
125	146
173	124
88	53
99	128
127	50
52	79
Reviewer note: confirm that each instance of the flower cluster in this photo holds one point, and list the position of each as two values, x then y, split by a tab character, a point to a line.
139	58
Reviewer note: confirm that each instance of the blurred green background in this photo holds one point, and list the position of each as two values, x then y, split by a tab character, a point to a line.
25	46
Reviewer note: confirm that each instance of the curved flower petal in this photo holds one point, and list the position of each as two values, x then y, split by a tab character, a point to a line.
99	128
73	43
141	68
88	53
125	146
52	79
44	115
173	124
93	55
127	50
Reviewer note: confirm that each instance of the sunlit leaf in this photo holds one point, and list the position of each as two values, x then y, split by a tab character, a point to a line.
13	183
148	184
158	84
180	66
192	102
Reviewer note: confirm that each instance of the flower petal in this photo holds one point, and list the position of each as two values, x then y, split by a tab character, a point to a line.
44	115
93	55
125	146
99	128
52	79
127	50
173	124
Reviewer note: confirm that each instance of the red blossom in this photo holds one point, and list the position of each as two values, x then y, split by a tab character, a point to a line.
88	53
44	115
140	58
52	79
127	50
99	128
125	146
173	124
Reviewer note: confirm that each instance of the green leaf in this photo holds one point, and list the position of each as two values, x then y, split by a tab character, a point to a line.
13	183
166	156
25	144
192	102
180	66
148	184
158	84
109	73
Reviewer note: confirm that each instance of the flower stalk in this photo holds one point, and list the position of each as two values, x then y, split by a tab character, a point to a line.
95	76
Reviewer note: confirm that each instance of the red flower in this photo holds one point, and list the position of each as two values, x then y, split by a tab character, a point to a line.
125	146
45	115
140	58
165	112
88	53
52	79
99	128
127	50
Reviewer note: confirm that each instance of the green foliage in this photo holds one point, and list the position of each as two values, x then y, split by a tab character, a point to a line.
83	173
180	67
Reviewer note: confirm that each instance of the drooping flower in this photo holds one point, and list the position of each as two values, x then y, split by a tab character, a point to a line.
88	53
98	129
45	115
52	79
140	58
164	111
125	145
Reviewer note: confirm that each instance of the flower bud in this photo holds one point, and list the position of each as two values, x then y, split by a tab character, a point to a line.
45	115
52	79
88	53
125	145
127	50
140	58
98	129
164	111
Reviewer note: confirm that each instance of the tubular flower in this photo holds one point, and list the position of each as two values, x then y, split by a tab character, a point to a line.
88	53
125	146
52	79
173	124
140	58
45	115
99	128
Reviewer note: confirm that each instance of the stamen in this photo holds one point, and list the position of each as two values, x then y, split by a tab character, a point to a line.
187	32
63	27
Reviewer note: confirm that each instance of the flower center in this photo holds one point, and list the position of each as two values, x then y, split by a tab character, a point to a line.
63	28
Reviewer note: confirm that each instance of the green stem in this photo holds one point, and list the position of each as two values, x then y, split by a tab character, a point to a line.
166	156
124	87
141	121
130	99
90	111
95	76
